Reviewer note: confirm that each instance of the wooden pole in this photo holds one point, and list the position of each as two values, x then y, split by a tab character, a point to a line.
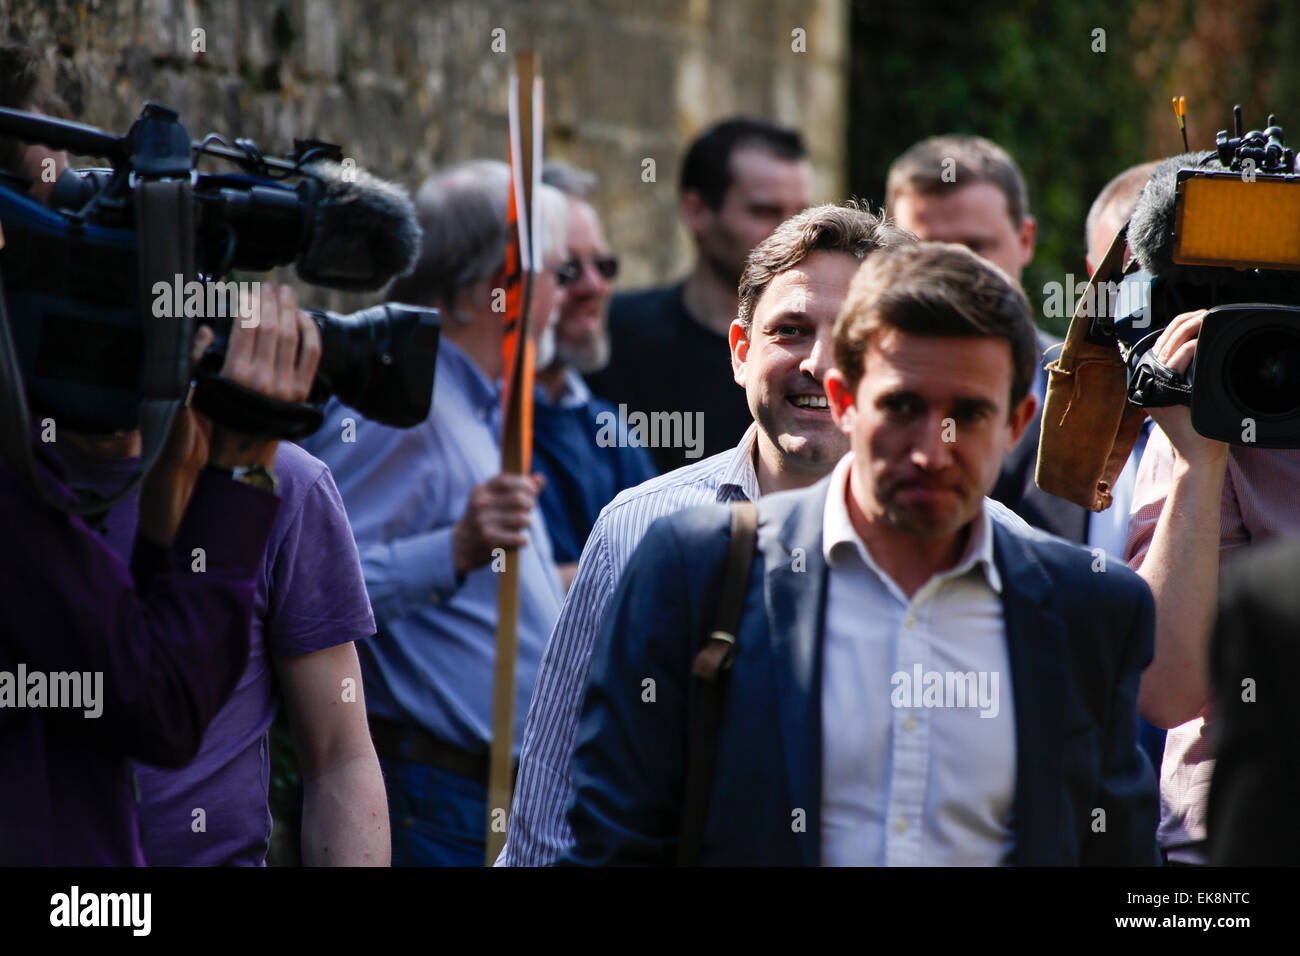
523	259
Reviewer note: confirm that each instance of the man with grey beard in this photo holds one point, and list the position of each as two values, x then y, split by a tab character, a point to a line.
584	468
432	513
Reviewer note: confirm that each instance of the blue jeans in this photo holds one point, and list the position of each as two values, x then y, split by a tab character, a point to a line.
437	818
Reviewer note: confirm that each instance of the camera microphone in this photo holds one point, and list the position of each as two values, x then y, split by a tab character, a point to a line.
362	231
1151	227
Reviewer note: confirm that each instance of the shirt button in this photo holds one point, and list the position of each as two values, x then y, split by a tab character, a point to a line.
900	826
910	724
910	620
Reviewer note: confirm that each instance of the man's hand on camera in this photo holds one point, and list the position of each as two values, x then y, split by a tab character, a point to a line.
496	517
272	355
1175	347
274	351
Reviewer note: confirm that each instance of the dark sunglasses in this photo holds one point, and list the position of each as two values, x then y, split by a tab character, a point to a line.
571	271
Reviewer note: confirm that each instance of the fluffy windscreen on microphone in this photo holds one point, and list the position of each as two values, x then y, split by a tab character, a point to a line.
364	232
1151	227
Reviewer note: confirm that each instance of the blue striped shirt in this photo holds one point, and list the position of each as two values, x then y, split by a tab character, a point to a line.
538	831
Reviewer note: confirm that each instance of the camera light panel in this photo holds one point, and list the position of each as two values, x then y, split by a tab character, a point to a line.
1224	219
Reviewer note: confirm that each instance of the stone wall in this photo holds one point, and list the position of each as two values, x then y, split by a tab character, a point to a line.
408	86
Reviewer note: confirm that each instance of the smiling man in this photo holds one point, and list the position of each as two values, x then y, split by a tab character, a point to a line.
790	293
780	350
895	565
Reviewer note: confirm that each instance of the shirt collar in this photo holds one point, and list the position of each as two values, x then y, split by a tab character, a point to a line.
574	392
739	475
838	533
480	392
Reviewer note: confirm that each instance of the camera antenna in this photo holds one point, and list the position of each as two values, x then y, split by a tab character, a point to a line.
1180	110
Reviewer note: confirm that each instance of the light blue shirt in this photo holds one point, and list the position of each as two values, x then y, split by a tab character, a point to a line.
1108	529
431	661
539	831
918	718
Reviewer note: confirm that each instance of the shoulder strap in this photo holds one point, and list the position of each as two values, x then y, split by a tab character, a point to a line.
710	668
1088	427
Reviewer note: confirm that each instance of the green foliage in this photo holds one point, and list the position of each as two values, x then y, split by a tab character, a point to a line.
1024	74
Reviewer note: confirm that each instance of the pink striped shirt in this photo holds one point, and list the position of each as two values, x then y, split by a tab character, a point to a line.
1261	500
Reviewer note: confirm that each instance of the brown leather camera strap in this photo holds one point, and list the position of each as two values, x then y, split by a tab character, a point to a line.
710	670
1089	427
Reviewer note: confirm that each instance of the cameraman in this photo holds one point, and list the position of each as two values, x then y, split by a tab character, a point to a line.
306	613
1197	502
309	606
166	645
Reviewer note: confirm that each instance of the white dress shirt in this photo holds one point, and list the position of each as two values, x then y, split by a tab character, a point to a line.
918	722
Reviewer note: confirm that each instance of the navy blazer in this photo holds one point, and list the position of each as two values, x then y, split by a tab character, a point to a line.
1018	490
1078	641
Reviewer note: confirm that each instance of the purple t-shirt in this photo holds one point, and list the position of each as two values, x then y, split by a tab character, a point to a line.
170	650
310	596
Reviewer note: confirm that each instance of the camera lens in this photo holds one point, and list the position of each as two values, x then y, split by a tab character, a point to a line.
380	360
1263	371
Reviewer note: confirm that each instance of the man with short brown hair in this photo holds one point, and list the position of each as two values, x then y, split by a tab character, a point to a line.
925	293
866	718
968	190
780	350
